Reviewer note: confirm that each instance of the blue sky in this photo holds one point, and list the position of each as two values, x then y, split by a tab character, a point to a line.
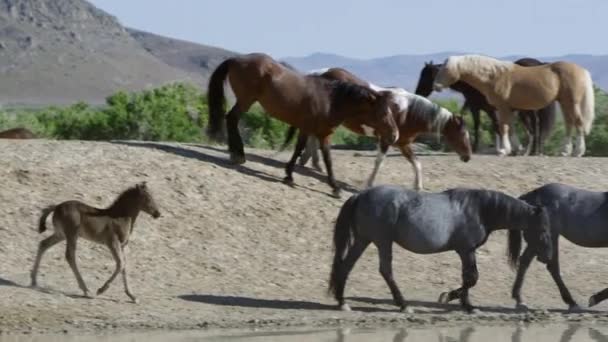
374	28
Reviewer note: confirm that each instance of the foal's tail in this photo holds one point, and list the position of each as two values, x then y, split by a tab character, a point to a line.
216	99
42	221
514	247
344	232
587	106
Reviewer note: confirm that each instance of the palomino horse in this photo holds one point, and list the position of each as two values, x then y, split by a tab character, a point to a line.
508	86
313	104
538	124
578	215
112	227
414	115
457	220
17	133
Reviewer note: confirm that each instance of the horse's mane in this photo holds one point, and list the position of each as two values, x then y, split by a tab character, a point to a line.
425	110
484	67
289	66
344	92
495	208
126	196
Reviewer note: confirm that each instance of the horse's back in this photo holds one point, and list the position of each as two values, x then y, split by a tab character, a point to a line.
17	133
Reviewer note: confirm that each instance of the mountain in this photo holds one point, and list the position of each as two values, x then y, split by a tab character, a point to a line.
61	51
404	70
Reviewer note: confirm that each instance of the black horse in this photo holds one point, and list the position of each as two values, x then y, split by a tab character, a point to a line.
537	124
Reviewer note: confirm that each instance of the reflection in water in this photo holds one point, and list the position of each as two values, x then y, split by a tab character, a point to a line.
479	333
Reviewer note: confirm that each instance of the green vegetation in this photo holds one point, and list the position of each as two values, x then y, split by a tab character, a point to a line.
178	112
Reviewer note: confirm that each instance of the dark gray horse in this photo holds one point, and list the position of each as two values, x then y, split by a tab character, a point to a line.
580	216
457	220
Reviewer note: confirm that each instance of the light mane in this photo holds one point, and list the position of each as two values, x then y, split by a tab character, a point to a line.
483	67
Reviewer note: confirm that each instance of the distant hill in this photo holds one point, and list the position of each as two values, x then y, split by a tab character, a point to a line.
404	70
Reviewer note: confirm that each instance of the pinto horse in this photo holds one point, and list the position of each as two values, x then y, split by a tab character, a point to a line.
414	115
313	104
508	87
538	124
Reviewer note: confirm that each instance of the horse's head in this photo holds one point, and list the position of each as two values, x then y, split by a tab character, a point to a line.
457	135
382	117
146	201
427	76
538	234
447	74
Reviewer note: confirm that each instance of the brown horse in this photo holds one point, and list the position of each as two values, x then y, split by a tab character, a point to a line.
112	227
508	86
313	104
414	115
17	133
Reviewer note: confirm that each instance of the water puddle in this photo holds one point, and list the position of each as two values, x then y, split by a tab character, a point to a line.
518	333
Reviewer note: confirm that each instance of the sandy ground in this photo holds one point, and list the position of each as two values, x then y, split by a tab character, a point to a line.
237	248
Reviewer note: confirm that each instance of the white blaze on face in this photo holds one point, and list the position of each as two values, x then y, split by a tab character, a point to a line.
368	131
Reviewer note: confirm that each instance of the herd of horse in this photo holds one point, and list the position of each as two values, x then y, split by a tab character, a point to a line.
459	220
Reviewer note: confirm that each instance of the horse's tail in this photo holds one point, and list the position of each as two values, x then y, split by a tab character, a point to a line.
344	232
514	247
42	221
216	99
291	132
546	117
587	106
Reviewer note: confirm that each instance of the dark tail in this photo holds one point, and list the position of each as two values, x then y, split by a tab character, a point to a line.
216	100
514	247
344	232
546	116
42	221
291	132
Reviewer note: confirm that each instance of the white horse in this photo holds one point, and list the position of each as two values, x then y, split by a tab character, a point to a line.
507	85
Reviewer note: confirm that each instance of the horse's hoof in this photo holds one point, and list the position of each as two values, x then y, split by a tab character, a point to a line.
521	307
443	298
574	308
288	181
237	159
592	301
345	307
501	153
101	290
336	194
135	300
407	309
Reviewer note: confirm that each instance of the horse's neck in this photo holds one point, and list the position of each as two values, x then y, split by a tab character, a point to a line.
505	216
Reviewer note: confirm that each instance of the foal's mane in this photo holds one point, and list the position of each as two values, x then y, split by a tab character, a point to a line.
427	111
484	67
495	207
125	199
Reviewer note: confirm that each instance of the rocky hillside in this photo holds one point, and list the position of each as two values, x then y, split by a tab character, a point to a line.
57	51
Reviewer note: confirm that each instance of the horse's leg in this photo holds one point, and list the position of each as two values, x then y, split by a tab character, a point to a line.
580	146
524	262
307	153
598	297
124	276
476	124
385	253
504	117
553	268
300	144
470	275
235	143
70	255
495	128
382	149
411	157
354	253
42	248
315	154
116	250
567	144
514	138
326	150
528	119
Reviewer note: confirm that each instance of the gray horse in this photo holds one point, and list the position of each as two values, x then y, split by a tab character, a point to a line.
457	220
580	216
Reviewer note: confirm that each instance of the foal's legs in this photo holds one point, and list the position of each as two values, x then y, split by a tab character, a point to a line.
385	252
124	276
70	255
354	253
325	149
300	144
235	143
382	149
42	248
411	157
116	250
470	275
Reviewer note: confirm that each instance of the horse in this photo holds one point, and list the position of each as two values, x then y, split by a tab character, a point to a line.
17	133
580	216
112	227
414	115
508	86
315	105
457	220
538	124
